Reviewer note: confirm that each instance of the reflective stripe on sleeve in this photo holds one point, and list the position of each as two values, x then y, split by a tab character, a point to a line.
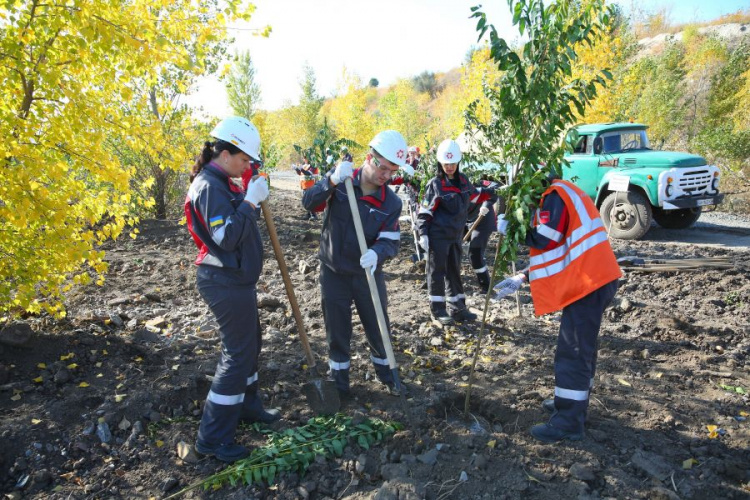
549	233
252	379
390	235
435	298
481	270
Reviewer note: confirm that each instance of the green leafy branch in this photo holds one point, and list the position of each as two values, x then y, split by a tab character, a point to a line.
294	450
324	144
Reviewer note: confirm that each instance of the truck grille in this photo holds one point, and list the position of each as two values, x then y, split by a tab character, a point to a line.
695	181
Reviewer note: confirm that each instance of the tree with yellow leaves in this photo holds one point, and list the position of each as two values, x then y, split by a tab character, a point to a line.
75	77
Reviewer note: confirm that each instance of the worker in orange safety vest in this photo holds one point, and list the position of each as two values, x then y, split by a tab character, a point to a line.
572	267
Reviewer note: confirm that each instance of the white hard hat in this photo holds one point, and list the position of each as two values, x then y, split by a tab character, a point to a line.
412	149
240	132
448	152
391	145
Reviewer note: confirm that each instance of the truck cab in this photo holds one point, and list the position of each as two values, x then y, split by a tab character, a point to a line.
632	185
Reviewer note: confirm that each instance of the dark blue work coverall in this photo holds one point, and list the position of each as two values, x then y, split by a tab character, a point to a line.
577	342
342	279
230	259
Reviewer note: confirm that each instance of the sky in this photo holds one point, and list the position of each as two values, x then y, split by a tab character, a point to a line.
383	39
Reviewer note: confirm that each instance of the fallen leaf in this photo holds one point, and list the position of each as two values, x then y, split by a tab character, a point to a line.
175	367
83	384
744	414
17	397
624	382
120	397
39	380
67	356
712	434
492	443
42	366
35	421
658	375
138	359
72	366
99	364
93	352
159	443
688	464
99	375
105	351
739	390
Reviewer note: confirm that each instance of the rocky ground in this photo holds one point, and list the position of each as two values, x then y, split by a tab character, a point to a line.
96	406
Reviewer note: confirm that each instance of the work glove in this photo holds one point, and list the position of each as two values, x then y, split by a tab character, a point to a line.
342	172
408	170
424	242
509	285
369	260
502	224
483	211
257	191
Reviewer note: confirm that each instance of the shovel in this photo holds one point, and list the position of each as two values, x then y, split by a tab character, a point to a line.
374	289
467	236
321	394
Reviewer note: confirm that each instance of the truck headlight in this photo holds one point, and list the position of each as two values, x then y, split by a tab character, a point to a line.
715	184
669	190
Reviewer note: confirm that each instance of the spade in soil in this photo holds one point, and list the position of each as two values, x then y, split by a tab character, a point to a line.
321	394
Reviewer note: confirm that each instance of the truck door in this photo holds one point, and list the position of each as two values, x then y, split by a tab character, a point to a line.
584	165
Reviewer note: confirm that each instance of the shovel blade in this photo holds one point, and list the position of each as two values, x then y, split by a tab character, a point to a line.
322	396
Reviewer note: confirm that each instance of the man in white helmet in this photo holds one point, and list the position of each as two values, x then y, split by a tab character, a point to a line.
221	218
342	270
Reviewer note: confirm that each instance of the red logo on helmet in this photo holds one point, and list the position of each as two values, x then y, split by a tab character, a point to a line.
400	153
449	155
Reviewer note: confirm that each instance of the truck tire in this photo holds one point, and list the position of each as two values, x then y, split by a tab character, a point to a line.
626	216
676	219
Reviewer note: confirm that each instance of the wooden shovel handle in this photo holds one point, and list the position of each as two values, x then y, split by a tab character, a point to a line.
467	236
370	278
287	282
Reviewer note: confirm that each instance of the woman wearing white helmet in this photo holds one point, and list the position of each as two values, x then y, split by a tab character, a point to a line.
222	219
441	222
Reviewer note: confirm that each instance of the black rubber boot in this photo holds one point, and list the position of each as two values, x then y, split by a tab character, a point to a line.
253	411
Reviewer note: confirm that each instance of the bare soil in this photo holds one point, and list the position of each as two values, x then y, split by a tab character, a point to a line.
136	353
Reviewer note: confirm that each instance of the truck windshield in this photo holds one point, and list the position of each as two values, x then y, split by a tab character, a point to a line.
625	140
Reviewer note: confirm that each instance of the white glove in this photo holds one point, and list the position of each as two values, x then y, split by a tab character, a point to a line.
329	160
257	191
502	224
509	285
424	242
369	260
483	211
408	170
343	171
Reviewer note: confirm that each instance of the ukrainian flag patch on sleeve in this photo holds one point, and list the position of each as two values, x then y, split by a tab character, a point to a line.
216	221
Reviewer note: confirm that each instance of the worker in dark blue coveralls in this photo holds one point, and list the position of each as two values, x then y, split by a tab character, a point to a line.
342	269
571	267
441	222
222	219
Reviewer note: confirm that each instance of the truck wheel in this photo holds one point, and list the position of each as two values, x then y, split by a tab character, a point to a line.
676	219
627	216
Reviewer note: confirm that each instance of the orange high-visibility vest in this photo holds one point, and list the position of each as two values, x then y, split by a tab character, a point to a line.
583	262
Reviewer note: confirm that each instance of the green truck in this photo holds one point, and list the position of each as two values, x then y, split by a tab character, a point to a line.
633	184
